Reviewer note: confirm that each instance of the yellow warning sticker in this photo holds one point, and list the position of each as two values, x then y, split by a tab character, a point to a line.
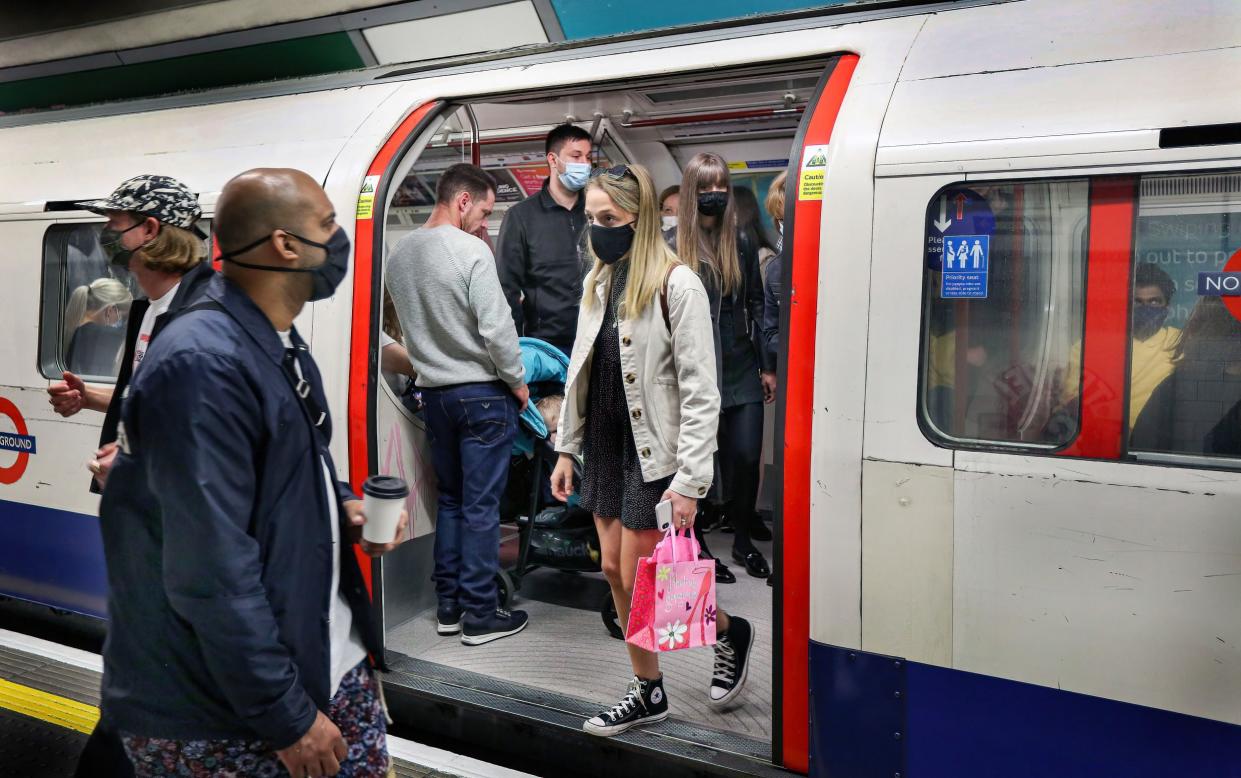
813	171
366	198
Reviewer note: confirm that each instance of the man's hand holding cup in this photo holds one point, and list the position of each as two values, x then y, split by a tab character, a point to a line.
379	521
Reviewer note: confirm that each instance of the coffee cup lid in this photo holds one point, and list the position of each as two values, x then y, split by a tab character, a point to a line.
385	487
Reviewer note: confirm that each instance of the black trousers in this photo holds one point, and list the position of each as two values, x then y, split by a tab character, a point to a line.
104	756
741	453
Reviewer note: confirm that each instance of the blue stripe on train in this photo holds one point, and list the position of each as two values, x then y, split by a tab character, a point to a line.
53	557
874	715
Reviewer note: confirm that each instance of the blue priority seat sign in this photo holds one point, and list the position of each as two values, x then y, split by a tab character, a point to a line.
966	262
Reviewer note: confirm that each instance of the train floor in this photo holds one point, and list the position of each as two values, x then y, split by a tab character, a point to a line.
566	649
49	697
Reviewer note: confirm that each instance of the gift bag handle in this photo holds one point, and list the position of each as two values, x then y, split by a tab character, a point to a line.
671	534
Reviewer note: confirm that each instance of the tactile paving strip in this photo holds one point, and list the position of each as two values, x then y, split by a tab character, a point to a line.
30	748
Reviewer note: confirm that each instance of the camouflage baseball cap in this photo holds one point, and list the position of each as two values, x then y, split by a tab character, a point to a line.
163	197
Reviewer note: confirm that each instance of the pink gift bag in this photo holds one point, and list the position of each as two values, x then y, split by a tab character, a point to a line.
673	605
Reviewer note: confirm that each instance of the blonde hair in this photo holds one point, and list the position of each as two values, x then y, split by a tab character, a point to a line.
696	246
649	258
172	250
89	298
549	408
775	197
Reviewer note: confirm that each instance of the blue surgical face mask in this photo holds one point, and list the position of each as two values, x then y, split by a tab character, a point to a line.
575	175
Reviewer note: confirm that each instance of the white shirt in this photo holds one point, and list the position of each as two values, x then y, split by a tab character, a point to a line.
158	307
345	650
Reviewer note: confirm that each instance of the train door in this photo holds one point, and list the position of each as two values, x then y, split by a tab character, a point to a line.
565	665
1050	474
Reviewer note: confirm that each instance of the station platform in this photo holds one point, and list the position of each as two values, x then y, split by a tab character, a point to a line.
49	698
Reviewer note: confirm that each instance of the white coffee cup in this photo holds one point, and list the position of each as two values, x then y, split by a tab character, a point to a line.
383	499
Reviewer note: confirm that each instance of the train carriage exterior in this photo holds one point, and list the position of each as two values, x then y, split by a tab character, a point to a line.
981	570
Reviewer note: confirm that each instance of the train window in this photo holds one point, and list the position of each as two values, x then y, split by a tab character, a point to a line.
1185	349
86	304
1003	311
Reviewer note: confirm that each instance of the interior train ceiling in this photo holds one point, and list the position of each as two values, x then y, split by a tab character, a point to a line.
754	102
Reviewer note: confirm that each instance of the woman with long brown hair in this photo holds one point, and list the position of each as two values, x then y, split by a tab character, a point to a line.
643	364
710	242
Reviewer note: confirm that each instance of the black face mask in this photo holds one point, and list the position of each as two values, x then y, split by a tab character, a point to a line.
110	242
1147	319
712	203
611	243
325	278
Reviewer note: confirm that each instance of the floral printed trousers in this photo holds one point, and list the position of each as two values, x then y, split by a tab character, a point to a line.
355	709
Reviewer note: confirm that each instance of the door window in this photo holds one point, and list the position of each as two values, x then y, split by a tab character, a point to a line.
1003	313
1185	349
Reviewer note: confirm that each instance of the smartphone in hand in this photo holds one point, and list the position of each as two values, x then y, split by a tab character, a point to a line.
663	515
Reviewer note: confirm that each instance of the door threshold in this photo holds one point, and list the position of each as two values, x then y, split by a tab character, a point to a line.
541	731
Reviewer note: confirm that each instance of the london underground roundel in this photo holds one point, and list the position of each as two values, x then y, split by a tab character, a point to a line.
18	441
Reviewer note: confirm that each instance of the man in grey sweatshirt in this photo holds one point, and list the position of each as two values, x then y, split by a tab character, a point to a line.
463	346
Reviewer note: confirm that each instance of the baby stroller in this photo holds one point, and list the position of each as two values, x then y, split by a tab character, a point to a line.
550	534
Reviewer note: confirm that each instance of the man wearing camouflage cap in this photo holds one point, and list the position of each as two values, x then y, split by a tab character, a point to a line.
151	233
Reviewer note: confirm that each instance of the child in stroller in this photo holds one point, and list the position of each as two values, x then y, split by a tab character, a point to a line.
551	534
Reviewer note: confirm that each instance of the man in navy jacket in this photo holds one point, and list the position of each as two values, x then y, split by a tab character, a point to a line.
240	623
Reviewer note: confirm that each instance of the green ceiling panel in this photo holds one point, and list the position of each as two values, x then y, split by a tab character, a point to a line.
245	65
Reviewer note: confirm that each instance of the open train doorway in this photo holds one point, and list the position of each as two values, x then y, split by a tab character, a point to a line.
570	660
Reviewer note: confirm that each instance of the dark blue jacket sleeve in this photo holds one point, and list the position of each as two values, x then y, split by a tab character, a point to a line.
769	326
344	492
203	419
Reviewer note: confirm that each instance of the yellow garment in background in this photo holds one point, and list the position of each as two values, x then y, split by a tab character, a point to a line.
1151	363
941	366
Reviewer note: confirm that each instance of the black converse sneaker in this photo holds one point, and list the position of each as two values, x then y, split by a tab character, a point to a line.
732	661
645	703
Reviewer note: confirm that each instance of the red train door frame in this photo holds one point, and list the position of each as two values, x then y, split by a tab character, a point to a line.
791	735
367	292
1104	403
798	318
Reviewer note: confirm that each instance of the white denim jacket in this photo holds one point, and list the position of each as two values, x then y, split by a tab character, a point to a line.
669	378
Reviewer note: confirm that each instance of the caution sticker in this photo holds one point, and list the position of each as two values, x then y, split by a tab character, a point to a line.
366	198
813	171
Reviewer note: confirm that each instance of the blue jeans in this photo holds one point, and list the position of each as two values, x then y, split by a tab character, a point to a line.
471	430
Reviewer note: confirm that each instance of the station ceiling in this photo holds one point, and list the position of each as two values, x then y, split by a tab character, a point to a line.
70	53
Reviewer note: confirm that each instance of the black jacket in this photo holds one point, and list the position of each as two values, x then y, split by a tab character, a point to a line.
746	304
216	536
192	284
541	267
769	326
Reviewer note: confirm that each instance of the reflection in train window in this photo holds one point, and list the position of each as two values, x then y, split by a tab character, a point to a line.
86	303
1185	395
1004	307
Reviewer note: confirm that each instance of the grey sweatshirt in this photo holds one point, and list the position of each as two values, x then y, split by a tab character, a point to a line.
458	327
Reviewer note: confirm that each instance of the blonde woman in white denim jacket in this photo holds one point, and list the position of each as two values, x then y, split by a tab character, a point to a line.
642	408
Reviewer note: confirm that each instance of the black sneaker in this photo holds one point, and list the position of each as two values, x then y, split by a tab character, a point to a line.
448	620
732	661
644	703
502	624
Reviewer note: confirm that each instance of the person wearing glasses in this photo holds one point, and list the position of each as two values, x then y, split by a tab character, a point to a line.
644	365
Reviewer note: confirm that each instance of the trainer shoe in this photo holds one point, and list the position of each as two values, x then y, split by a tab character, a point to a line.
732	661
644	703
499	625
448	619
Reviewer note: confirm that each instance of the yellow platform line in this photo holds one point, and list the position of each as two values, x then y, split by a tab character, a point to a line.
48	707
